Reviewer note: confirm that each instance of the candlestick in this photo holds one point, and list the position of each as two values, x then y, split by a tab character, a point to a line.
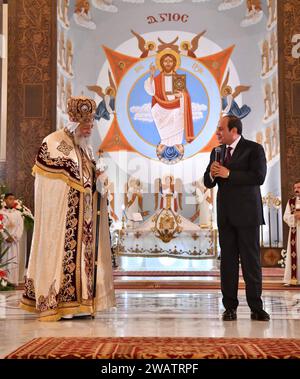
276	205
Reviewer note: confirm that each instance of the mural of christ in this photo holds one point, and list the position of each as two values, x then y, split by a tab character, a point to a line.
171	109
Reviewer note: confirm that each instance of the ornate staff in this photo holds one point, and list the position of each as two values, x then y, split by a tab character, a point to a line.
277	204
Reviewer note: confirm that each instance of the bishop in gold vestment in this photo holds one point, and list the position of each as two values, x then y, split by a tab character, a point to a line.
61	280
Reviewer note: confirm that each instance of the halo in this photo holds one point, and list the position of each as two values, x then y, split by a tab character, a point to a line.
113	90
185	43
165	52
225	88
150	43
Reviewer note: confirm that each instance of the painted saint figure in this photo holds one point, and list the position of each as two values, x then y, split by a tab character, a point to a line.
171	109
133	200
204	199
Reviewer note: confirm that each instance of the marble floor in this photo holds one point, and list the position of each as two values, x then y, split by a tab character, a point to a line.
156	313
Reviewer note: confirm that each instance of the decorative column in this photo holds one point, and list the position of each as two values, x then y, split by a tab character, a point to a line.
289	96
31	99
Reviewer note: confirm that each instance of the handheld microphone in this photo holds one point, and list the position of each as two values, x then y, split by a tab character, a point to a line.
218	154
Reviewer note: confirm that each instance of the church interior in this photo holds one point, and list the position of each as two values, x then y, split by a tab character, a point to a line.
162	255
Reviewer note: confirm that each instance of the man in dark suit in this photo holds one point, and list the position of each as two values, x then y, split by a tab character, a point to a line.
239	168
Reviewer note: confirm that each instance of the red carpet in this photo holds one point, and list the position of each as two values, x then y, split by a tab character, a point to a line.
158	347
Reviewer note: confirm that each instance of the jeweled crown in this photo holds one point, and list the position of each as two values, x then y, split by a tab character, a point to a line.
81	109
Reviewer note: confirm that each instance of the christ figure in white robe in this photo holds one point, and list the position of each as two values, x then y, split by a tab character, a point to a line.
171	110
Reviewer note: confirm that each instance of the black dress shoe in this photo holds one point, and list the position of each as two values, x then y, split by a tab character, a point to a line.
260	315
229	315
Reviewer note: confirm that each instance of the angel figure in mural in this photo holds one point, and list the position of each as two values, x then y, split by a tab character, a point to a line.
105	5
147	48
204	200
167	45
253	14
171	106
188	48
82	15
133	201
229	105
229	4
106	106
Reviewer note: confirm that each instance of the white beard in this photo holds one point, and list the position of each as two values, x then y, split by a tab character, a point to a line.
84	143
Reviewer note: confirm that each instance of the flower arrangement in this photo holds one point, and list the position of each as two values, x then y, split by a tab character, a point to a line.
26	212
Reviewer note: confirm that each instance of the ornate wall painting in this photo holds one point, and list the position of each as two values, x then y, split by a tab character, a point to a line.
110	50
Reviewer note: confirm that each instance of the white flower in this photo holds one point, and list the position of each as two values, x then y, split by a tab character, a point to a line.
25	212
3	282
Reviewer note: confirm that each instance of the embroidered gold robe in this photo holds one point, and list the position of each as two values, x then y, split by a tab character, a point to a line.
61	278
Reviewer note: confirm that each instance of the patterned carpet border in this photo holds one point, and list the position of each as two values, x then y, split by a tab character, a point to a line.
157	348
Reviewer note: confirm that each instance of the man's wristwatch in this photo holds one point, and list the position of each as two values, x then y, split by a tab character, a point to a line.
228	174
